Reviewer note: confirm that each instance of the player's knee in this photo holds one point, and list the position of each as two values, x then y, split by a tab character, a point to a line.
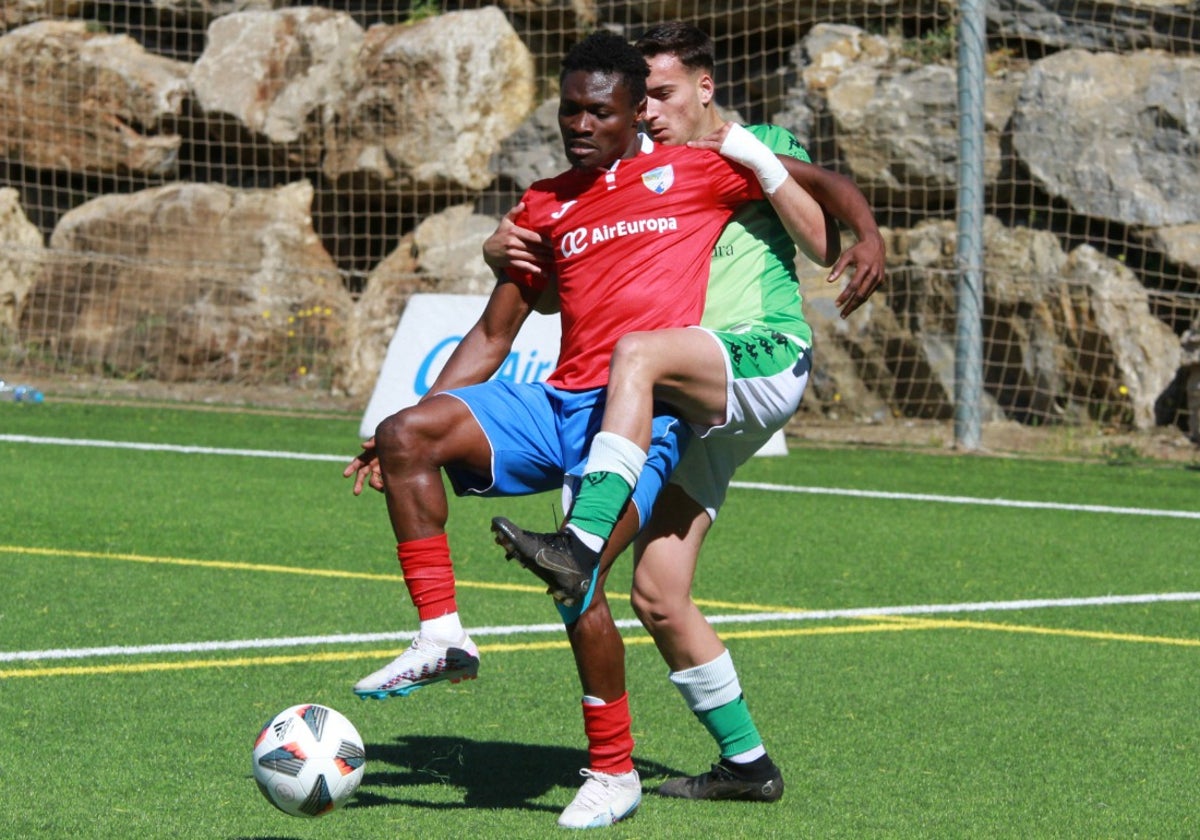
400	436
633	356
650	609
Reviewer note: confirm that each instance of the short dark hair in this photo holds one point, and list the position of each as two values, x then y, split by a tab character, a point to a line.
607	52
690	44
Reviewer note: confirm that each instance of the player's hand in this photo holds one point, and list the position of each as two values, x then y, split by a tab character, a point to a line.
516	247
712	142
868	259
365	468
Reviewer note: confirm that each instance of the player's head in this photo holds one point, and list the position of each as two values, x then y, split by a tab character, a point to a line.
601	99
679	91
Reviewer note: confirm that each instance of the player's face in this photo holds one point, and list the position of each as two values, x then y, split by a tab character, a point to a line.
597	119
675	100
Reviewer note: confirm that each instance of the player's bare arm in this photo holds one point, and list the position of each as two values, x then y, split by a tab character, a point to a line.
842	198
799	212
478	356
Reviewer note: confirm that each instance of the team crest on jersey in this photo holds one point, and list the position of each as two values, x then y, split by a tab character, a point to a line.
659	180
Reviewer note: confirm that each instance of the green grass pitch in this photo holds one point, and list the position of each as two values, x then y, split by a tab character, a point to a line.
160	605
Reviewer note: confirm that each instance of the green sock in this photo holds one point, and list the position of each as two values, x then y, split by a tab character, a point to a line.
602	497
613	466
732	727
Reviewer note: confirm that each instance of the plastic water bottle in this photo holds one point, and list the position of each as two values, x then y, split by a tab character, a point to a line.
19	393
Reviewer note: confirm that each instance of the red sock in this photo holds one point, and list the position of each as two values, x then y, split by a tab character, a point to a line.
609	731
429	575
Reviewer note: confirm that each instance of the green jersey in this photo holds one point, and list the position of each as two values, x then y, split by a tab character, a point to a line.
753	281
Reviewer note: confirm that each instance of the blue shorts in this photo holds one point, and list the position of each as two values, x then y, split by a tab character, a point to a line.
540	435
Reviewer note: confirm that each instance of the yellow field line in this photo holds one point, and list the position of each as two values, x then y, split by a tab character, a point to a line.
1100	635
232	565
881	623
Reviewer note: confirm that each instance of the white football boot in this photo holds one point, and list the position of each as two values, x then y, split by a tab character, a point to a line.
424	663
603	800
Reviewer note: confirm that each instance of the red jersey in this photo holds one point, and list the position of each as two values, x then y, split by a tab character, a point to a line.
632	247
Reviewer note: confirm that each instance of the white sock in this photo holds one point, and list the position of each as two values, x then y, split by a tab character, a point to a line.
444	628
748	756
615	454
710	685
592	541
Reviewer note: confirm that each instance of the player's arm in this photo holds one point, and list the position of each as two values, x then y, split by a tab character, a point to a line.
478	356
841	197
516	247
815	233
800	213
488	343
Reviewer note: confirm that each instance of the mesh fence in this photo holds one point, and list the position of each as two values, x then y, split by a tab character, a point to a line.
247	192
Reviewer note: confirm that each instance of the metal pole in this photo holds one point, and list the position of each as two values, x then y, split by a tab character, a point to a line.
968	359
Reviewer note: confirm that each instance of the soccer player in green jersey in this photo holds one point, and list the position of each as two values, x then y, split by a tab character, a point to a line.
737	380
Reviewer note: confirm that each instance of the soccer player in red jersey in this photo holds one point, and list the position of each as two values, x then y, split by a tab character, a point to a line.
632	225
734	399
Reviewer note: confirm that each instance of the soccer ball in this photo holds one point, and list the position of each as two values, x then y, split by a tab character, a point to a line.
308	760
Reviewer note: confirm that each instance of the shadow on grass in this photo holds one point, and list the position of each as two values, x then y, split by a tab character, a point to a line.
491	774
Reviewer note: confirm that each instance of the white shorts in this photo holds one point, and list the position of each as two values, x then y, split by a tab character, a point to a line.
765	374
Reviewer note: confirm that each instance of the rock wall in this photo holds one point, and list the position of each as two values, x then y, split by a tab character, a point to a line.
250	190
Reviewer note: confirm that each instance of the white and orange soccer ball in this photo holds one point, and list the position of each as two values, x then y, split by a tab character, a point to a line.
308	760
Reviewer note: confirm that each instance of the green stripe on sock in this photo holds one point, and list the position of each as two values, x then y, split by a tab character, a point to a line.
732	727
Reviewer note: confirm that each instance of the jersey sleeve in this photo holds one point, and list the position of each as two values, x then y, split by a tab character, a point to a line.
780	141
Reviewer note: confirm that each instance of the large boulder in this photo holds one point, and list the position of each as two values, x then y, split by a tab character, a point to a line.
1066	334
190	282
75	100
436	99
1123	354
280	75
21	259
1114	136
894	124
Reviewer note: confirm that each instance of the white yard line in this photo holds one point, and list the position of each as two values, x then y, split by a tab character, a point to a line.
743	485
535	629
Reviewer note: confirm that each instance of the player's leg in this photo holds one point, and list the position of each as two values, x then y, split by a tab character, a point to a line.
612	790
770	374
413	445
493	438
685	367
701	667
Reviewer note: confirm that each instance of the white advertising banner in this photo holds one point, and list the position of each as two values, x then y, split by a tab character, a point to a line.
429	330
